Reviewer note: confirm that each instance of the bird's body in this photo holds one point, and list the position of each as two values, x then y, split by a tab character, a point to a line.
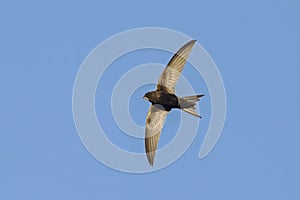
163	99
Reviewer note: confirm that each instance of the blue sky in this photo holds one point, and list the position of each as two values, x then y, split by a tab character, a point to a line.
255	44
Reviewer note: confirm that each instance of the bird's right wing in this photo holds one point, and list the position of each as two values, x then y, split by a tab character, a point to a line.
154	123
171	74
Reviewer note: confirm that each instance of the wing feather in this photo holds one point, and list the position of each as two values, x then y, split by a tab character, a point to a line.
154	123
171	74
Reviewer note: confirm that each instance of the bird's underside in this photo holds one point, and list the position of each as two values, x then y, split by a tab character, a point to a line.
164	99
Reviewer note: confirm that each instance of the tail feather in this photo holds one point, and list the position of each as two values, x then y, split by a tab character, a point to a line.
188	104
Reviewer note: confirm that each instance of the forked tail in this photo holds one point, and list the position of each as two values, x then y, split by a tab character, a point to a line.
188	104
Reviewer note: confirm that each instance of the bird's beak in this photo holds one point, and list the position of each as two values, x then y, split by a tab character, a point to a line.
146	98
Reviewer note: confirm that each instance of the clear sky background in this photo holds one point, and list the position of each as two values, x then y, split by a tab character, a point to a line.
256	46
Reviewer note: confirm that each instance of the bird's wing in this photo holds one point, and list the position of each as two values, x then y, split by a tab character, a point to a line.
171	74
154	123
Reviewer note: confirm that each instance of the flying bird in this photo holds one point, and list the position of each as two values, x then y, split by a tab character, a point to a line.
163	99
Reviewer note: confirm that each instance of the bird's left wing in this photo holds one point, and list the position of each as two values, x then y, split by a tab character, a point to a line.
154	123
171	74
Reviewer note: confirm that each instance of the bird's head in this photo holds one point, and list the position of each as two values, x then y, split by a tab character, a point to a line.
149	96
